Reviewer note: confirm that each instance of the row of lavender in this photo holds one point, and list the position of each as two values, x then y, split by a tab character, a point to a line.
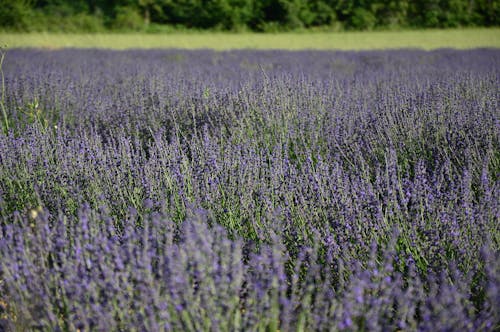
251	191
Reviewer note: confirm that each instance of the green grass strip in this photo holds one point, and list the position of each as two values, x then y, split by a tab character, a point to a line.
422	39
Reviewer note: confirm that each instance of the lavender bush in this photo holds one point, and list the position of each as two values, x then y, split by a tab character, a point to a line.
250	191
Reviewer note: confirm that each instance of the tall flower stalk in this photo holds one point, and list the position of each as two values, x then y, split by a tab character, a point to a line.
2	100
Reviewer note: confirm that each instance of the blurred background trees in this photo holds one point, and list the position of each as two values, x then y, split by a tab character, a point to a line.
240	15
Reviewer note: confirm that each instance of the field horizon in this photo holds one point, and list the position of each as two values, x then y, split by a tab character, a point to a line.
371	40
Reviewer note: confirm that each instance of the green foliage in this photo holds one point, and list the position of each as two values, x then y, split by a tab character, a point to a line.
363	19
128	18
80	22
15	14
242	15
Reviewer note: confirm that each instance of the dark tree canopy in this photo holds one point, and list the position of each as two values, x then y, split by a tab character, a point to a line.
236	15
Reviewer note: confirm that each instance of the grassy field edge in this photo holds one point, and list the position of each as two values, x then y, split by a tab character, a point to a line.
421	39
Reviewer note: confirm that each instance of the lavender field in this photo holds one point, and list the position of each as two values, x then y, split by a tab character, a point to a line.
170	190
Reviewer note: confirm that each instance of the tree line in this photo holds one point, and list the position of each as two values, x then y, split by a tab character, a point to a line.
241	15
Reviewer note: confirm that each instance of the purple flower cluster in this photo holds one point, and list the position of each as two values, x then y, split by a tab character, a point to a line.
171	190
